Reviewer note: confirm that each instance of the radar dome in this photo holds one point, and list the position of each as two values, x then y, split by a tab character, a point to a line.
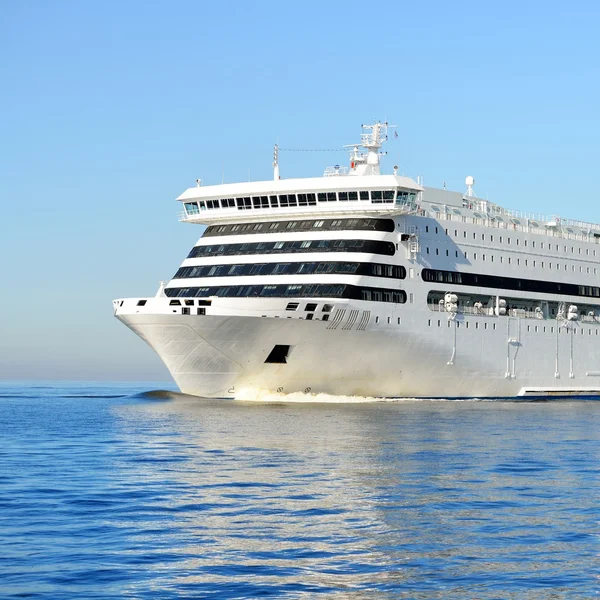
470	180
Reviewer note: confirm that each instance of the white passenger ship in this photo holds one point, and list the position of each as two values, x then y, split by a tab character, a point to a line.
362	283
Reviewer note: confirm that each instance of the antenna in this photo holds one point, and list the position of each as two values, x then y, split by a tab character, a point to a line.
276	176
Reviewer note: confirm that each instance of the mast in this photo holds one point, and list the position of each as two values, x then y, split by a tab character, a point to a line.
276	176
372	139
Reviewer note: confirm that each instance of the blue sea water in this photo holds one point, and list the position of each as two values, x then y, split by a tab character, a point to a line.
119	491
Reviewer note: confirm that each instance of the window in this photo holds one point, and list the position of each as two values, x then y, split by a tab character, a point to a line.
509	283
343	245
141	302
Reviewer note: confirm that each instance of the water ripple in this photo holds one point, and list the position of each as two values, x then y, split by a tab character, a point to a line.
111	491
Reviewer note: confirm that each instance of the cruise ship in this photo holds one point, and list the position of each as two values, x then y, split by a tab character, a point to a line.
369	284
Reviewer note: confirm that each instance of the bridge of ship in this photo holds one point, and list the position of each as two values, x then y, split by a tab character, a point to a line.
252	200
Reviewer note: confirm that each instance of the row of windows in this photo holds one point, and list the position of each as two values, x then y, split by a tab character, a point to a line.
510	283
284	226
307	199
501	239
526	261
317	290
293	268
367	246
534	263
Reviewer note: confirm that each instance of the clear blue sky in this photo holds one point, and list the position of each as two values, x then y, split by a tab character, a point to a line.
109	110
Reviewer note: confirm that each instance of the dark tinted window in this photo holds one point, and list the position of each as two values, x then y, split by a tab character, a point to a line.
292	247
293	268
327	224
509	283
311	290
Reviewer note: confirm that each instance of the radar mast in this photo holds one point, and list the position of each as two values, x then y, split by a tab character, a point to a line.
372	139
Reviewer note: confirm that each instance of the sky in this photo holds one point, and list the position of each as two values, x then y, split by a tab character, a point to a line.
110	110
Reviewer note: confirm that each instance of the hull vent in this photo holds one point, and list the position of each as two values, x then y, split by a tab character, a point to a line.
364	320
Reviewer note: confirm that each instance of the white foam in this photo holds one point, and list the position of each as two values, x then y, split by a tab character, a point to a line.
258	395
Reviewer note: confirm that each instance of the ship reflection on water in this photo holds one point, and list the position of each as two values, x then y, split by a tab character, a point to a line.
408	499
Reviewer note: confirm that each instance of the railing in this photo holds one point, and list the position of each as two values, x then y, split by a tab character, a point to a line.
464	310
488	221
334	171
490	211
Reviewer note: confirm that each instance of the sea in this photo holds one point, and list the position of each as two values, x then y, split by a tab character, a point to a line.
112	490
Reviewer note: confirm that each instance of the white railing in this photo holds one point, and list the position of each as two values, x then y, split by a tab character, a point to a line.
334	171
490	210
559	231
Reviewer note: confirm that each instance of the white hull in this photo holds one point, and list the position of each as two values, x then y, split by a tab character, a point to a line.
224	356
359	283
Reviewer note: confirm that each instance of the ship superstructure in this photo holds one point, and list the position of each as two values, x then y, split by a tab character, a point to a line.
370	284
